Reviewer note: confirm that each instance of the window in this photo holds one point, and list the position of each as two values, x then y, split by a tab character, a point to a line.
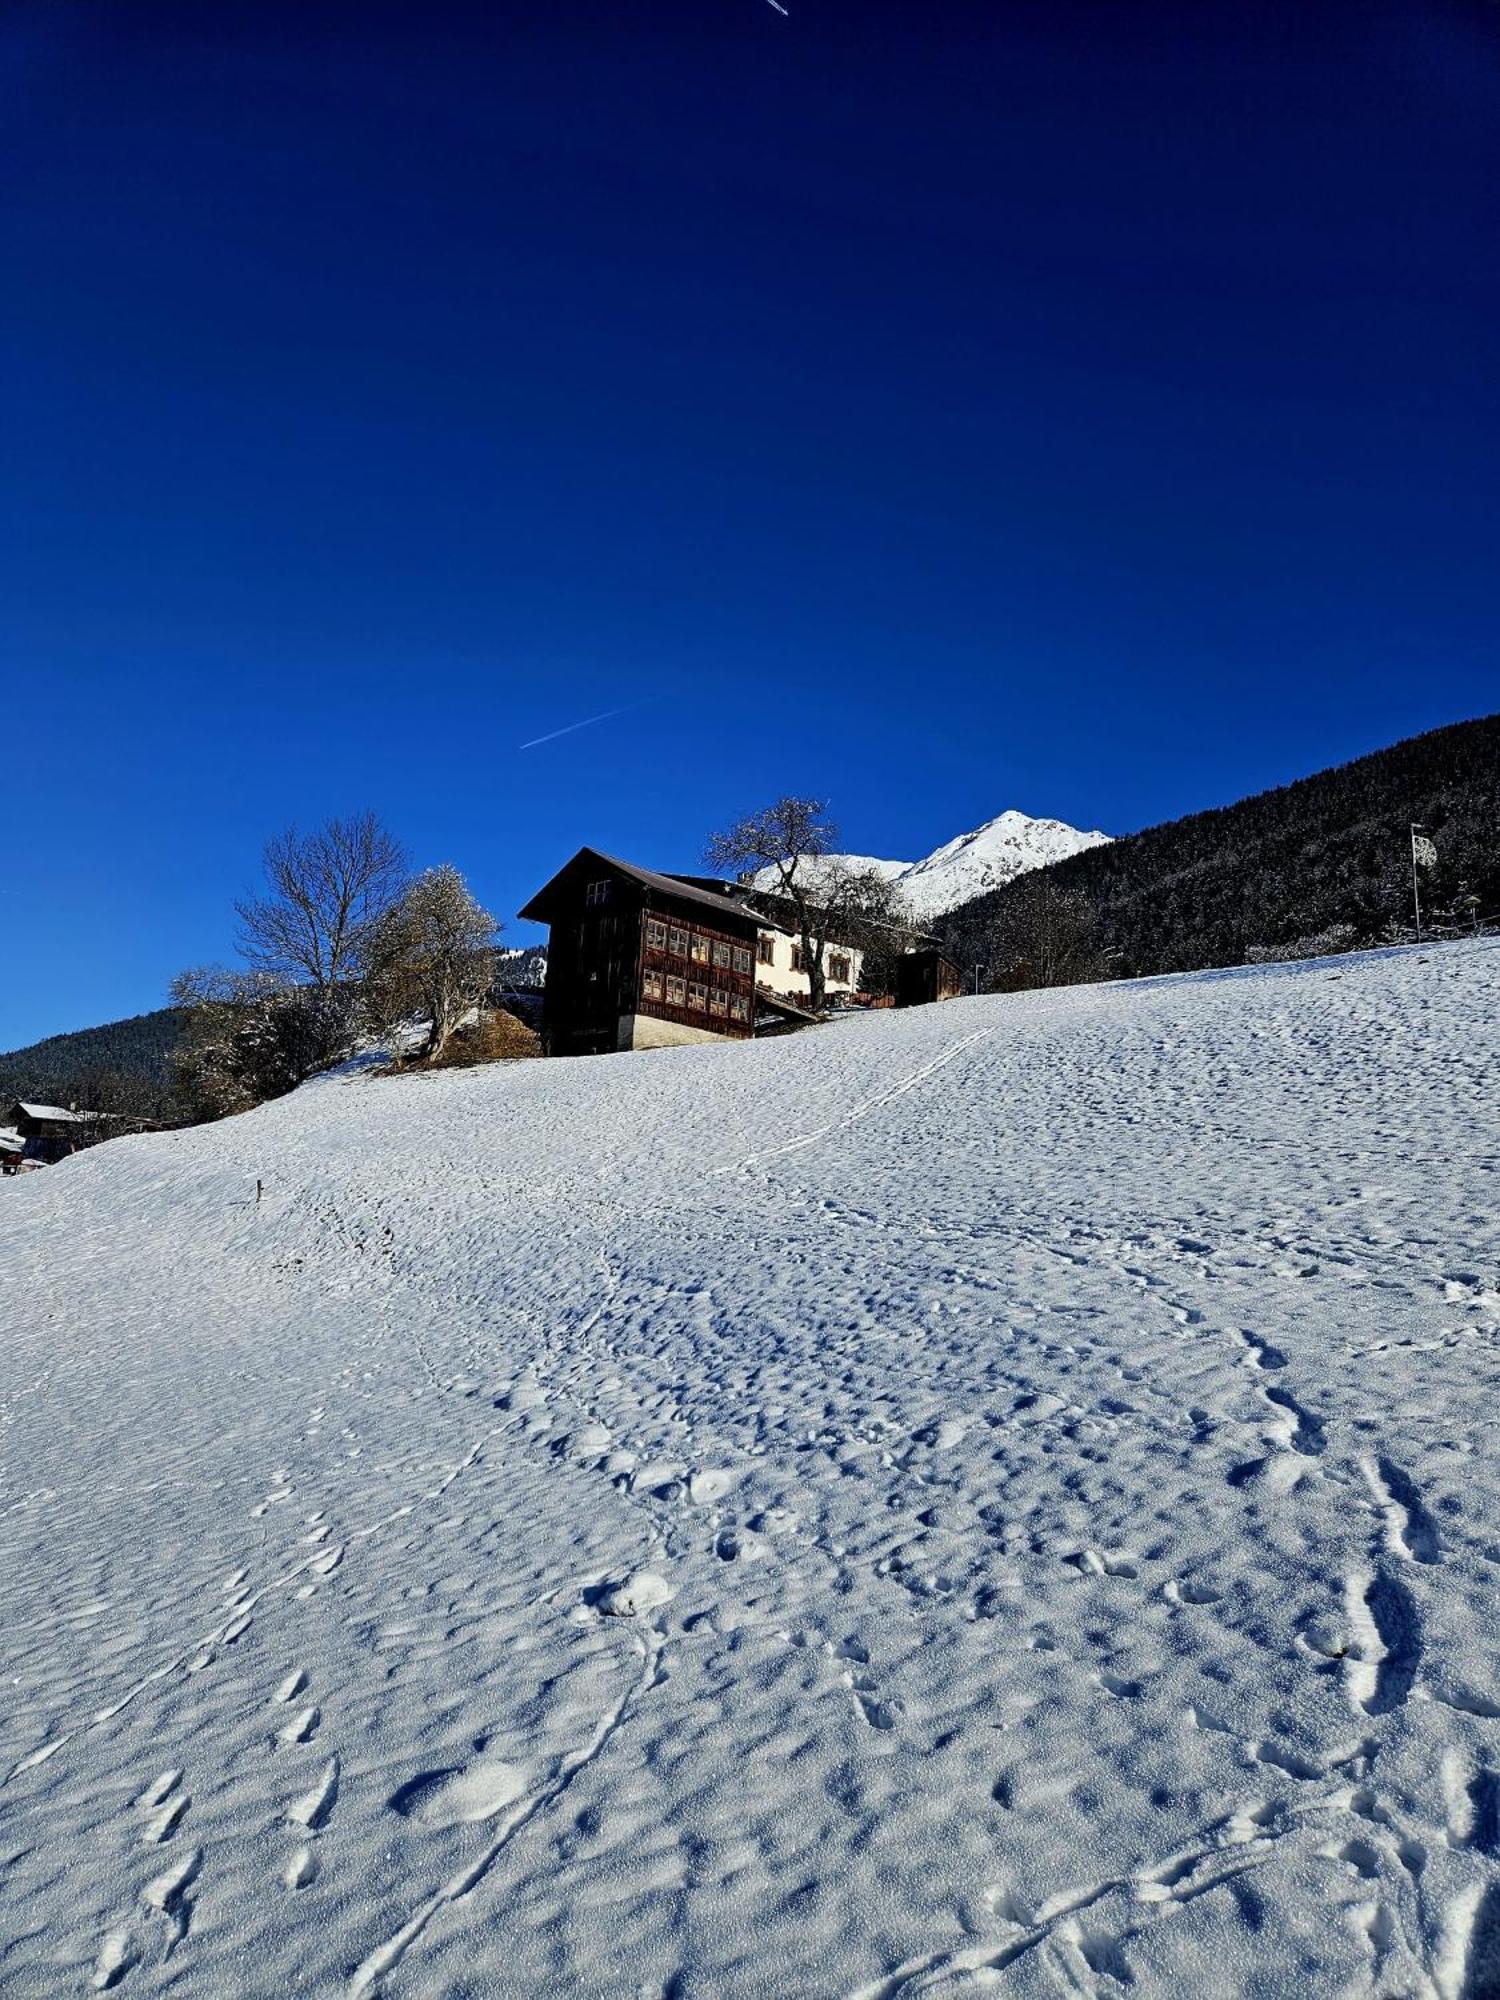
676	990
718	1001
723	956
698	995
838	967
651	988
739	1007
597	892
799	959
765	949
656	934
742	959
700	950
679	943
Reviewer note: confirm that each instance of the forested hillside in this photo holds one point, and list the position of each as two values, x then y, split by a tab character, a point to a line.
1326	860
134	1055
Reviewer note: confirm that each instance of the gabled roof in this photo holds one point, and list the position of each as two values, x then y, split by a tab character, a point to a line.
55	1113
661	885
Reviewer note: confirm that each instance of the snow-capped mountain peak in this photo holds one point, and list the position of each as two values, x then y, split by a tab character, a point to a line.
992	854
973	863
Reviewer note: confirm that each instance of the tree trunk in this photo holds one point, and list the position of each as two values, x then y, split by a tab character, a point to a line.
813	960
442	1023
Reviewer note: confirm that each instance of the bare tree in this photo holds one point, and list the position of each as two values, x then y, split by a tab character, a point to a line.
326	891
246	1037
788	851
1043	935
432	955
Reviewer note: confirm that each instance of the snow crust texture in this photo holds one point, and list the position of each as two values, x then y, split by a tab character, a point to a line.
1001	1498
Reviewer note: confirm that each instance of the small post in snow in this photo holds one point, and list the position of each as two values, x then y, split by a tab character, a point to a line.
257	1191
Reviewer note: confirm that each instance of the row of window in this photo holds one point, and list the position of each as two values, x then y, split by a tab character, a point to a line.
676	991
680	942
837	967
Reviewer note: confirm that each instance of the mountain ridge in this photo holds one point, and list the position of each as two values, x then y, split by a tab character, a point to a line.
974	863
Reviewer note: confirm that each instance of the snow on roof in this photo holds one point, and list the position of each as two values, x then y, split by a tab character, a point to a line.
10	1140
54	1112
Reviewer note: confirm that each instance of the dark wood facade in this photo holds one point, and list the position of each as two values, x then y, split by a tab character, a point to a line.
923	976
47	1132
641	960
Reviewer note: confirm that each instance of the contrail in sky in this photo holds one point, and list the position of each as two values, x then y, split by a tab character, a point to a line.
587	723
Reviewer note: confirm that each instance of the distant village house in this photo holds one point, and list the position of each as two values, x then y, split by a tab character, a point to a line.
39	1135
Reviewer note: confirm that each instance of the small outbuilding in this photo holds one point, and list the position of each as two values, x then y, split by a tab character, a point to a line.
923	976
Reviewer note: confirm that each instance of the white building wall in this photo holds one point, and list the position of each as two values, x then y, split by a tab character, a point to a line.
778	977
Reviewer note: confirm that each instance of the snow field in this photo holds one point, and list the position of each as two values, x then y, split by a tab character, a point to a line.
1002	1497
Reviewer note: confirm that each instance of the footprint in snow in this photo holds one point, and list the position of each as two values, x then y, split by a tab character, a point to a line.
460	1797
301	1871
163	1823
311	1811
629	1597
158	1789
524	1394
165	1897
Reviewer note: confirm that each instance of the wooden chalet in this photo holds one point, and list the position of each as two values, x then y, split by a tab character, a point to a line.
638	960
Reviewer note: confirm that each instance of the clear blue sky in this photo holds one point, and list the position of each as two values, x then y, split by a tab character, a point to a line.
941	405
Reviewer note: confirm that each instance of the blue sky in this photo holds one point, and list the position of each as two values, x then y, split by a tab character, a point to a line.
939	407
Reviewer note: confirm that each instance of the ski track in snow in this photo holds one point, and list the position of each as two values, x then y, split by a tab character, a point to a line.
1004	1497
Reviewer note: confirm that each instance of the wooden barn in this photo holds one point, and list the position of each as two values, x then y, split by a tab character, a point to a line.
48	1132
923	976
638	960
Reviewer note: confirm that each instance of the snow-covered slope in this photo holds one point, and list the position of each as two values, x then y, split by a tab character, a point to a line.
998	1497
975	862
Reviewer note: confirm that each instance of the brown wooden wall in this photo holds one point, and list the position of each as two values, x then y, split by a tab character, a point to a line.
604	961
675	958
